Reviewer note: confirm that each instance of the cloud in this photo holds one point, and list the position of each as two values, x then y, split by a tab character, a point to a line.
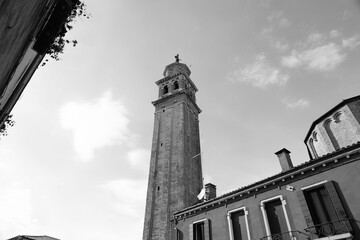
315	38
130	196
321	52
279	19
334	34
351	42
300	103
139	158
276	22
95	124
291	61
16	212
259	74
281	46
322	58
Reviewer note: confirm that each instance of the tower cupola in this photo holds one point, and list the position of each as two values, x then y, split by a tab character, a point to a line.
176	68
176	81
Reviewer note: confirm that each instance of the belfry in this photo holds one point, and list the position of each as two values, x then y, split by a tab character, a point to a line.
175	176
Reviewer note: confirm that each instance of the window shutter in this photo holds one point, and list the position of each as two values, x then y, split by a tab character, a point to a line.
340	212
335	199
305	209
207	229
191	232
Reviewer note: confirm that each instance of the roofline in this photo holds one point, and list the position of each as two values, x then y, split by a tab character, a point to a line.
322	117
300	169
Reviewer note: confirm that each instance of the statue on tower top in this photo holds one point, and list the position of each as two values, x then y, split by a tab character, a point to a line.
177	58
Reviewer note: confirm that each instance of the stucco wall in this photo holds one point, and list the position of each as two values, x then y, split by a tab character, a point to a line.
346	176
18	20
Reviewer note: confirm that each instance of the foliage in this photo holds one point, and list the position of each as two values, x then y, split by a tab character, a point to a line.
9	122
57	47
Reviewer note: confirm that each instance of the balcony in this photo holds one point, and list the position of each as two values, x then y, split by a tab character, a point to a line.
339	229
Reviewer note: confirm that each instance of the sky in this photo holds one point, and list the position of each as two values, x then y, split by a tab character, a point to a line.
75	165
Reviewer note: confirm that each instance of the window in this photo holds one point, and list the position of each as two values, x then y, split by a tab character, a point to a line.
199	233
176	85
323	210
275	218
200	230
238	224
165	89
320	205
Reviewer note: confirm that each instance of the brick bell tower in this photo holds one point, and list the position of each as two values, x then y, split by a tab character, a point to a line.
175	177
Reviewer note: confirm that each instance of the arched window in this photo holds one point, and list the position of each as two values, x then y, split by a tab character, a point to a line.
330	133
315	136
311	143
337	117
165	89
176	85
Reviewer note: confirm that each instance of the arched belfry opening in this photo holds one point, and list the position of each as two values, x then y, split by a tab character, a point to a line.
165	90
176	85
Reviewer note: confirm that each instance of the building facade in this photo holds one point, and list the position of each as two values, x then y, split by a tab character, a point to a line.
315	200
27	29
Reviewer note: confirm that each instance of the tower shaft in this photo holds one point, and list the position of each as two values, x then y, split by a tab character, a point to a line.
175	176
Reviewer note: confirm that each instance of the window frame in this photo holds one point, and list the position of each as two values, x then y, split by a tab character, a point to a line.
265	217
231	229
206	223
337	203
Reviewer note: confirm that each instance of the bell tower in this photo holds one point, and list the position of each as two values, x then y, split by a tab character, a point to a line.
175	177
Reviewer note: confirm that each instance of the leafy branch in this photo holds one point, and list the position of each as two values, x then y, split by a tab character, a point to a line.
58	45
9	122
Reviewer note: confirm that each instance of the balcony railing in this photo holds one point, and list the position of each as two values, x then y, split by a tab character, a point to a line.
292	235
342	227
330	229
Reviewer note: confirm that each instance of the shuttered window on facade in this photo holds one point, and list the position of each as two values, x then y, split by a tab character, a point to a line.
321	204
200	230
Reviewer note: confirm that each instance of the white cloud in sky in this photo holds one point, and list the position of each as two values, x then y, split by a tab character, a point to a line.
260	74
16	212
278	18
276	21
323	58
130	196
351	42
321	52
95	124
334	33
315	38
281	46
292	104
139	158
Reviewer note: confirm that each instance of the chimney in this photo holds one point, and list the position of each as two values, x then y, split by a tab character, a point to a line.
210	191
284	159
